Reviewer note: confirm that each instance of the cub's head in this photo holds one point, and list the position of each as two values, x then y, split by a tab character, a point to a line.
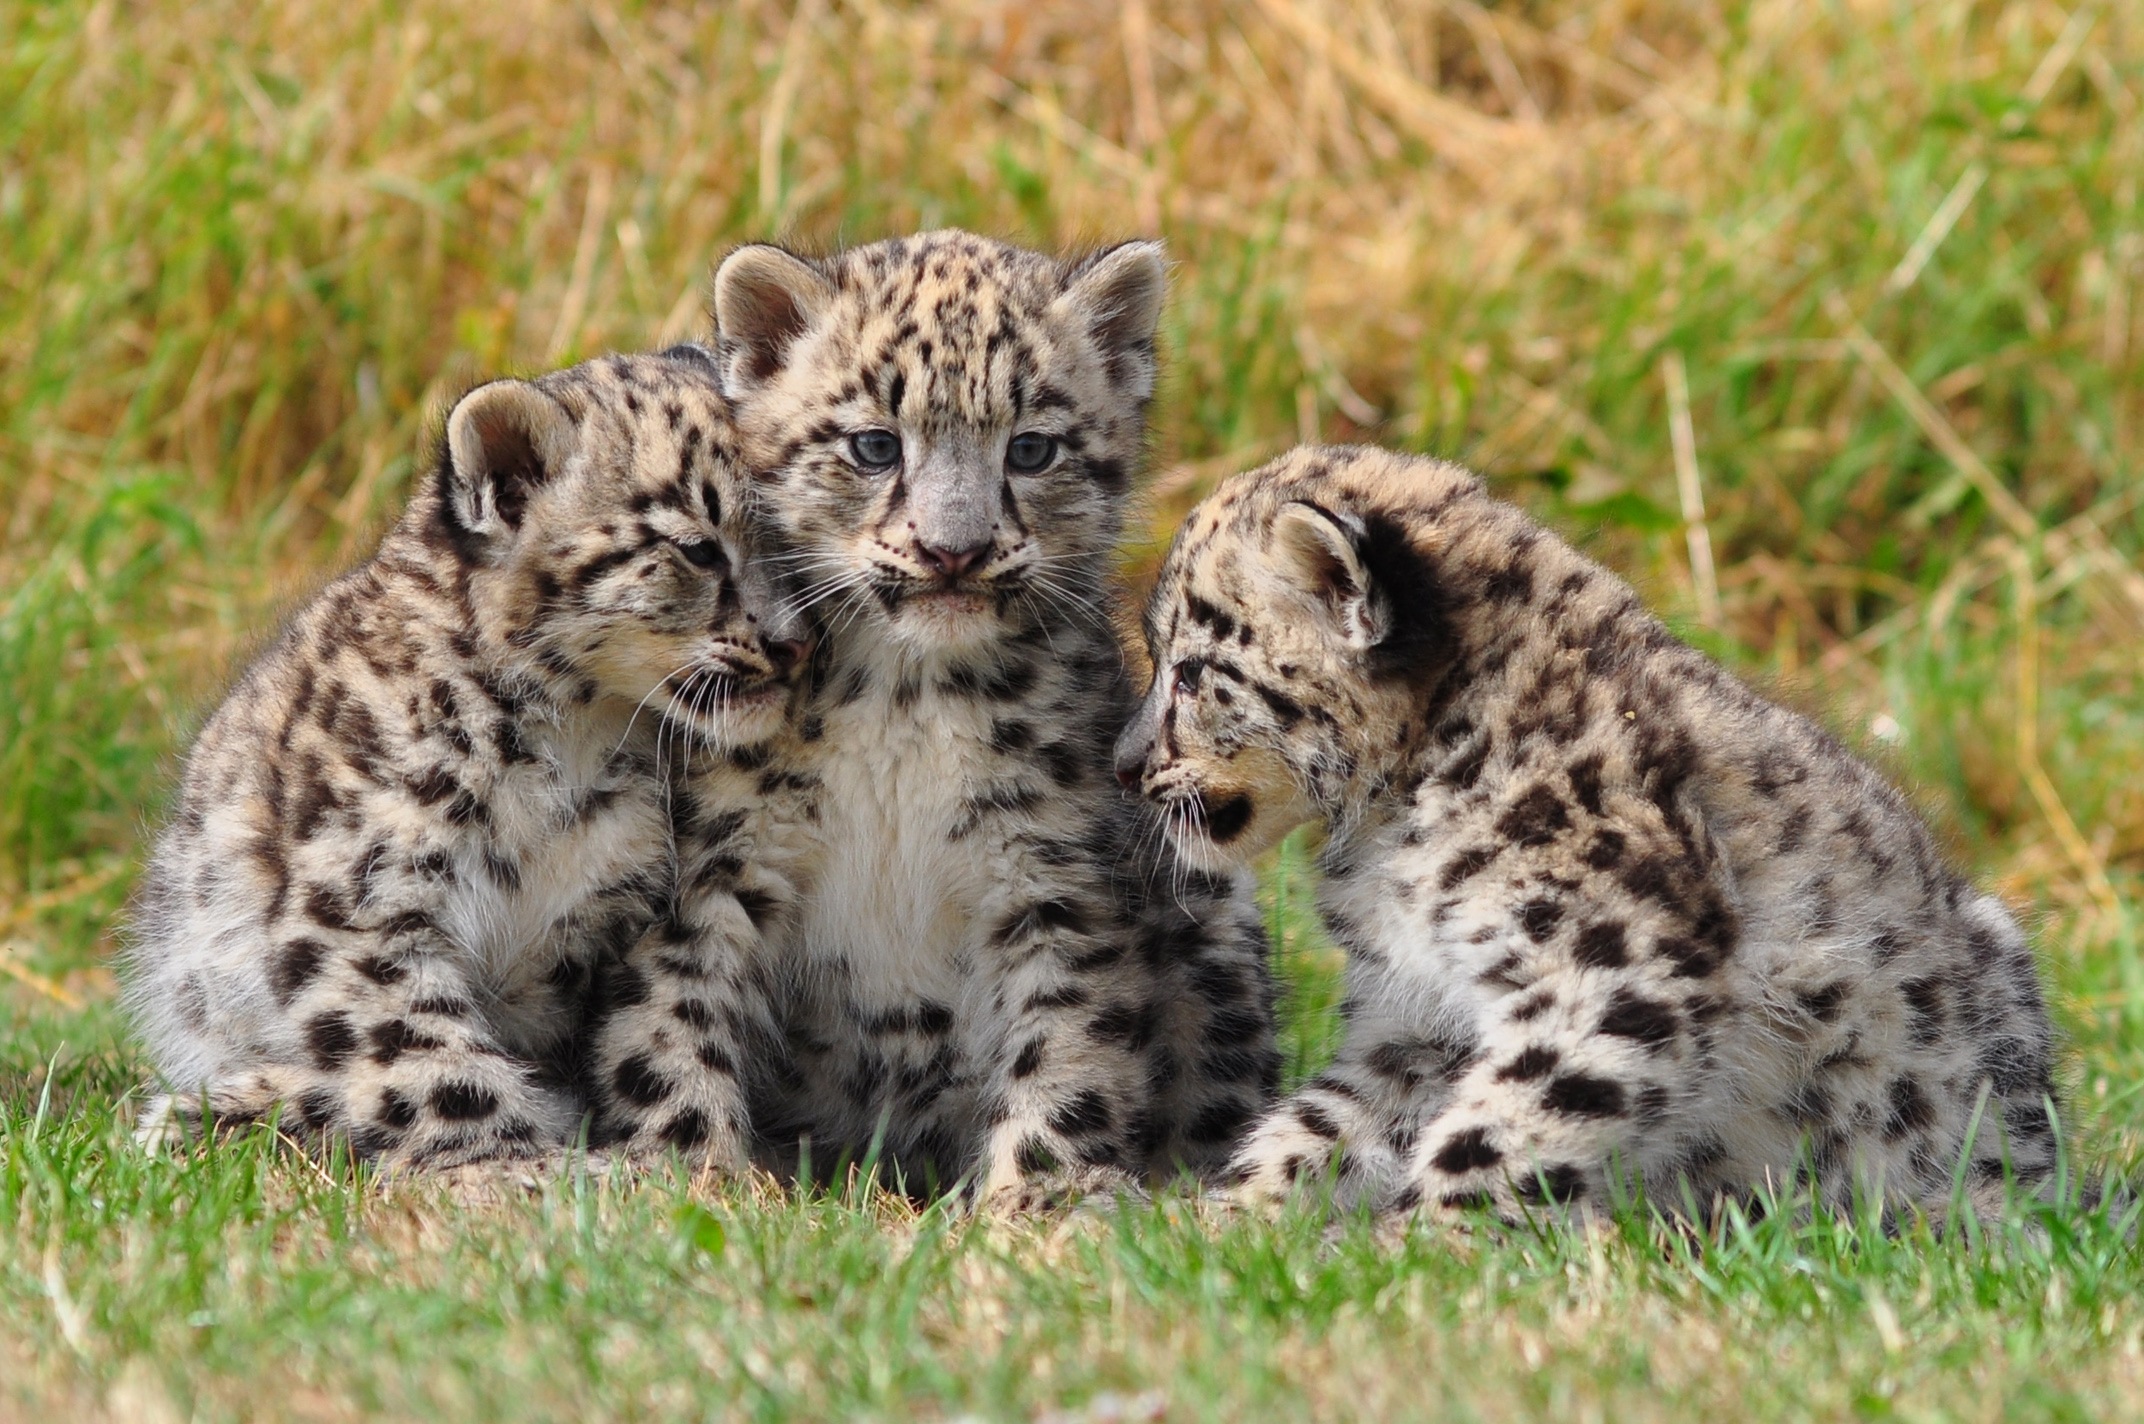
1294	628
946	426
600	512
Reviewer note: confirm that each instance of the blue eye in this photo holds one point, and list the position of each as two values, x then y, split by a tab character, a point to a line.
875	449
1029	452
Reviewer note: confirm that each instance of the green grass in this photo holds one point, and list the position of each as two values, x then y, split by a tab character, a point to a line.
247	248
244	1283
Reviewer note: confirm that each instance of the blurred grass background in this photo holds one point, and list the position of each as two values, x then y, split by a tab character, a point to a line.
1821	322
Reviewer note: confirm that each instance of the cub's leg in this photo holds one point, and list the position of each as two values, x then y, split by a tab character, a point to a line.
1359	1119
1575	1085
1213	1062
384	1044
1069	1101
687	1017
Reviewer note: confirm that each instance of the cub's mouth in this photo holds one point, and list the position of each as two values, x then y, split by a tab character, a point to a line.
709	697
969	593
1222	818
950	598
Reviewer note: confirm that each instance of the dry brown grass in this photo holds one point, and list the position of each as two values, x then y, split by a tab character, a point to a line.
250	249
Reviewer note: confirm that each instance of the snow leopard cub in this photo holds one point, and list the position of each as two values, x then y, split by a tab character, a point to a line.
1608	914
419	818
941	926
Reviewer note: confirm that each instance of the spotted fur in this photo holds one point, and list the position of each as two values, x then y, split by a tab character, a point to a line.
942	929
1610	917
416	823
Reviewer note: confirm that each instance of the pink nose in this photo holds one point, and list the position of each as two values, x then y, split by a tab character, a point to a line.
951	563
786	654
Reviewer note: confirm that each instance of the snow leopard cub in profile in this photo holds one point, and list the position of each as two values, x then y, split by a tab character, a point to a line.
422	815
943	928
1608	914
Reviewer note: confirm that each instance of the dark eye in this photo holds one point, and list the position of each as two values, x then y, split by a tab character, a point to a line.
701	553
1030	451
1189	672
876	449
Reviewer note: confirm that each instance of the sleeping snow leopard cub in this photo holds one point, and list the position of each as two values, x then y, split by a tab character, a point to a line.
425	811
1608	914
943	926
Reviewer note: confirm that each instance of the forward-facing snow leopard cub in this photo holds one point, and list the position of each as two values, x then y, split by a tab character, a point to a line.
1608	914
979	950
425	811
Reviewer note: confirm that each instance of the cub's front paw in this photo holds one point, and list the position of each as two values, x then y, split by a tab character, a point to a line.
1281	1157
453	1114
646	1153
1065	1188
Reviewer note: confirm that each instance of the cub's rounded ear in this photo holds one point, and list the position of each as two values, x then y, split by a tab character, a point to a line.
765	298
1321	553
505	441
1116	295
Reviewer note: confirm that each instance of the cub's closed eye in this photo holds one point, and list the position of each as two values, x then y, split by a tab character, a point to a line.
1030	451
875	449
702	553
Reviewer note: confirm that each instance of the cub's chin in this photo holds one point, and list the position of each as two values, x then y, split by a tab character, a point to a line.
723	713
930	617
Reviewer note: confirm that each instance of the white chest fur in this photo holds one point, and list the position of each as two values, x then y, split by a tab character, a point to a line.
895	894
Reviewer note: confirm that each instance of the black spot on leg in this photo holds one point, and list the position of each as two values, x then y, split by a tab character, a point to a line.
382	970
1030	1057
1924	1004
1560	1183
1317	1121
463	1102
1467	1151
394	1038
1539	918
1690	959
687	1129
1822	1004
1601	946
1586	784
1034	1156
1535	819
1467	864
295	966
1583	1095
317	1109
1910	1110
1630	1015
627	987
1533	1006
638	1082
1533	1062
396	1111
330	1039
1086	1113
